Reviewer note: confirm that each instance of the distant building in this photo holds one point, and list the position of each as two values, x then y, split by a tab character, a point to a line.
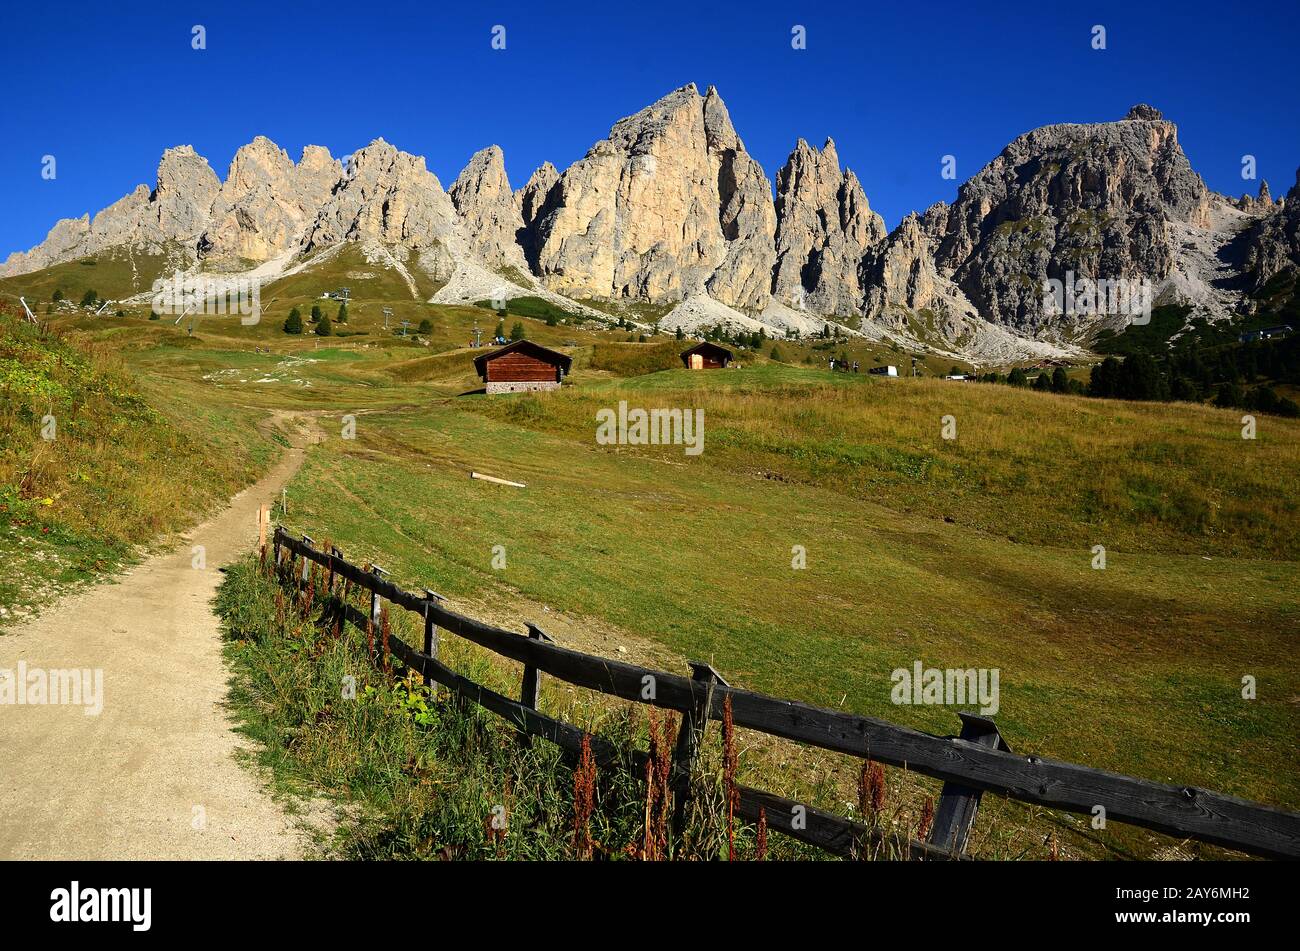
884	371
522	366
706	356
1268	333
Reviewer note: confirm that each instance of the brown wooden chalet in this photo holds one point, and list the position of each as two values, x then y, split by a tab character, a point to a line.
522	366
706	356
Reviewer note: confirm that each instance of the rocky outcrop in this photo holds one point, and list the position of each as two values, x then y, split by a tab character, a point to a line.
267	201
641	216
825	228
1274	244
536	200
182	202
490	211
1093	199
386	196
1260	204
671	210
176	210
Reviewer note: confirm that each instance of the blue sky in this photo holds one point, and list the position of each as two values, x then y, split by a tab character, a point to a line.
105	88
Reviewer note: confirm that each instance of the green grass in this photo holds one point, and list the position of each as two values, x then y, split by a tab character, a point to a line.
972	552
419	777
125	463
112	274
528	306
1025	466
1136	668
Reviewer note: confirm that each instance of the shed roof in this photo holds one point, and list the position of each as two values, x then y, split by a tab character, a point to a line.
706	349
553	357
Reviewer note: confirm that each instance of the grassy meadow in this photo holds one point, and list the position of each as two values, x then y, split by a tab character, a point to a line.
976	551
96	462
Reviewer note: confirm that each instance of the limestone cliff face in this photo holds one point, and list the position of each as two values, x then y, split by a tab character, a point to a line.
267	201
176	210
491	213
825	228
1097	200
1274	244
536	199
668	206
183	199
670	209
385	196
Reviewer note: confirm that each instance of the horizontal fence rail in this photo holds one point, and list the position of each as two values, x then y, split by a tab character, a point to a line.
977	761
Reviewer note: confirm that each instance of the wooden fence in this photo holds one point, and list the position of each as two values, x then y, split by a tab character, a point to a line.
975	761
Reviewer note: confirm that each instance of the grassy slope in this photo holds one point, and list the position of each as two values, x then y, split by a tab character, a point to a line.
1135	668
1027	466
128	462
854	469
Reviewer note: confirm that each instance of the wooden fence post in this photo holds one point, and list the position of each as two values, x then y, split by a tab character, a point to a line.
531	689
431	633
374	598
306	562
261	527
689	735
957	803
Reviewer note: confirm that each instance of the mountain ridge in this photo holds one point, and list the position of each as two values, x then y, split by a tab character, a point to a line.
670	212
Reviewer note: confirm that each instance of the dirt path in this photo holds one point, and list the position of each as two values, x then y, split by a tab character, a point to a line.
154	775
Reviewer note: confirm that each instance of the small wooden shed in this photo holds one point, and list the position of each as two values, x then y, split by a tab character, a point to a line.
522	366
706	356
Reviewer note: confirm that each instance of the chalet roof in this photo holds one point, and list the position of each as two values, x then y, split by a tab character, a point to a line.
706	349
553	357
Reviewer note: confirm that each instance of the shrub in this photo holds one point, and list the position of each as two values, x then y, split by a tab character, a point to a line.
88	299
426	326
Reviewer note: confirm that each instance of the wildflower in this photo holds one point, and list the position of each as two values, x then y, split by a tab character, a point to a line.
584	799
927	818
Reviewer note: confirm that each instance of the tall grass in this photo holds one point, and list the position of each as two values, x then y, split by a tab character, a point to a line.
93	463
420	775
1038	468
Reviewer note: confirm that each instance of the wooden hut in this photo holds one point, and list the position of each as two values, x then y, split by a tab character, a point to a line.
522	366
706	356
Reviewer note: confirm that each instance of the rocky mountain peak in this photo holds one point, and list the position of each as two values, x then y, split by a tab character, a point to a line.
490	210
824	228
185	192
1095	199
387	196
668	206
1143	112
267	201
